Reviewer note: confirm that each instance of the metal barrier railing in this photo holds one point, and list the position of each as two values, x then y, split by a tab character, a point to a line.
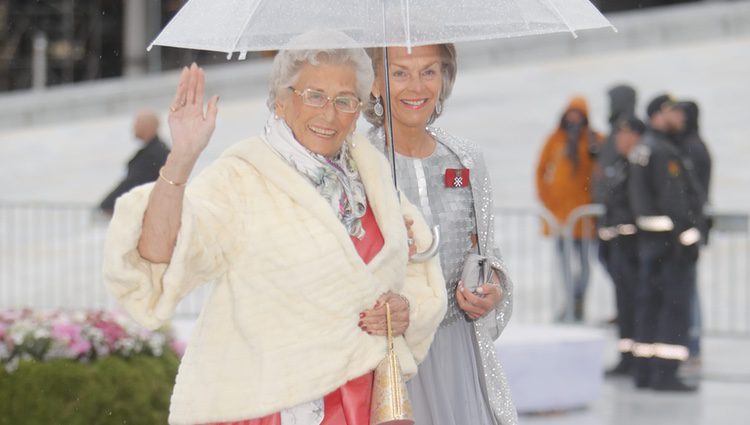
724	275
723	270
51	254
51	257
532	262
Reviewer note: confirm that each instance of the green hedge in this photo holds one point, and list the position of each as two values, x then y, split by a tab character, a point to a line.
112	390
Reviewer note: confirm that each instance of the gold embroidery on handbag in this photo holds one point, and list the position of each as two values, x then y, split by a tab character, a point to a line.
390	398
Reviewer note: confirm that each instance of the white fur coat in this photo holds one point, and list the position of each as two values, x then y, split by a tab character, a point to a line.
280	325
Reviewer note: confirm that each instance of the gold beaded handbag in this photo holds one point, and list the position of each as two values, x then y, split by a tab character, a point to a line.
390	398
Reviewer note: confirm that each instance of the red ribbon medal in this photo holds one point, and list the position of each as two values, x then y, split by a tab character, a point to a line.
456	177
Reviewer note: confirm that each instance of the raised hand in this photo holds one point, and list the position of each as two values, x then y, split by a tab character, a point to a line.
191	127
191	130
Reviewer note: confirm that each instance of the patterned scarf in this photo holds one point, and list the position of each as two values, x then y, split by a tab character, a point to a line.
336	179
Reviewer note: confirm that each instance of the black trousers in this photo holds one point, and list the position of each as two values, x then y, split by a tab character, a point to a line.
622	265
663	300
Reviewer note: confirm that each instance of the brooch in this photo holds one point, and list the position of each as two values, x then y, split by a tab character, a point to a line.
456	177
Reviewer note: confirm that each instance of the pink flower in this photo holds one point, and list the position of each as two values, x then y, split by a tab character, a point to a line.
80	346
79	335
12	315
70	334
66	331
178	346
112	332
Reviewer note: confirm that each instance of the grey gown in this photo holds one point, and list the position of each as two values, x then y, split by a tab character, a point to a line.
460	382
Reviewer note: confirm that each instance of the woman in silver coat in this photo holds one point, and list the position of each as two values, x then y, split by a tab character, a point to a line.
461	381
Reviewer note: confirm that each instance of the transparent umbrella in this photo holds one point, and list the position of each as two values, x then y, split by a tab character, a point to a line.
241	26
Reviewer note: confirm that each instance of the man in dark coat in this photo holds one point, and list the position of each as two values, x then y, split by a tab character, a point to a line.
144	166
696	154
618	230
622	100
668	213
695	149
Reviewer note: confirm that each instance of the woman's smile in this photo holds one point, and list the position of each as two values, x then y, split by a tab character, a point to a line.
323	132
414	104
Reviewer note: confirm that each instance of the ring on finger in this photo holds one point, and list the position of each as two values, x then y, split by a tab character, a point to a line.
410	241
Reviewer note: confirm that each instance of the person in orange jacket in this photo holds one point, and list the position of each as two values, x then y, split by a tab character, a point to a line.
563	181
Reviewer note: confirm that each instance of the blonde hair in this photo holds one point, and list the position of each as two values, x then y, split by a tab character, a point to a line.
448	70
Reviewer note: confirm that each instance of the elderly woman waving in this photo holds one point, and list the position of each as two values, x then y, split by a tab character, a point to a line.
303	237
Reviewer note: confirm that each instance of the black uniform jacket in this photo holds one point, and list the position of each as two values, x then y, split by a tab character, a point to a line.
616	197
661	185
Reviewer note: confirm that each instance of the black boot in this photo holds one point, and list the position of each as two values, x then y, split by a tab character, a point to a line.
665	377
641	370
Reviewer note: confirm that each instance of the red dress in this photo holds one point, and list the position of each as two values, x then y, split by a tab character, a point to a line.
350	403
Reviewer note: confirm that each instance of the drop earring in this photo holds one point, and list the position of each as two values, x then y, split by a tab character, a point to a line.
378	108
438	107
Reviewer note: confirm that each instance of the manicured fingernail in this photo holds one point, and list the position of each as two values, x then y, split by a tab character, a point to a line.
361	315
359	324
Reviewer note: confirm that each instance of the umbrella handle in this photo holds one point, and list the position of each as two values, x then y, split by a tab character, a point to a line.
421	257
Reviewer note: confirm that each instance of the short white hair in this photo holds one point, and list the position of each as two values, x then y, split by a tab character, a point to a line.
289	62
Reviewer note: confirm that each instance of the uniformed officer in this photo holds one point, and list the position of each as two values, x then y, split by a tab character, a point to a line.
618	230
695	150
667	214
622	100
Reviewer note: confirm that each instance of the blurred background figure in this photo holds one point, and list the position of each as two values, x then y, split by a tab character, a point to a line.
668	212
695	152
622	100
617	229
145	164
563	181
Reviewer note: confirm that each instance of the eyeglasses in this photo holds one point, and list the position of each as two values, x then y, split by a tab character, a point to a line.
316	99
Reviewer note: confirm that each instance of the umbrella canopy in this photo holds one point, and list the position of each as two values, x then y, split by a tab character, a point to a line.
251	25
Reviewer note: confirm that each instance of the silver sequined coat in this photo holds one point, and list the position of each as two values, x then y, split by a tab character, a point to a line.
487	329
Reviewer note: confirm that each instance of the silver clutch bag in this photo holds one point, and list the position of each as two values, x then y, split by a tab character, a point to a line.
476	272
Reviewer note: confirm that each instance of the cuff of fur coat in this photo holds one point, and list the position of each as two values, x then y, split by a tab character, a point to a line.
136	283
